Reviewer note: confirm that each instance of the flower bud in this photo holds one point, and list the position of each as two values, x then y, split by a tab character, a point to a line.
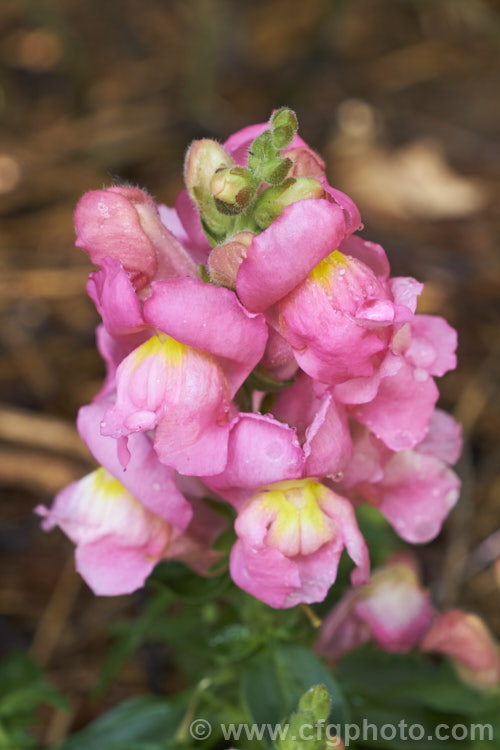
203	159
273	200
305	163
465	638
224	260
276	170
233	187
123	223
284	125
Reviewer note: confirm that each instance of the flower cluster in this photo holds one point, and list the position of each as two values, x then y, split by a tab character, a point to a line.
258	353
396	612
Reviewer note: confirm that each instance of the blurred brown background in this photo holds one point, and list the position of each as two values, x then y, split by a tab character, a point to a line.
400	97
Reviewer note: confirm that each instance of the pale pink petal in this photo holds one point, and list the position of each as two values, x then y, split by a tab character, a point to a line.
112	570
148	480
342	512
368	459
317	572
197	244
401	411
405	292
328	445
433	344
416	495
444	439
181	391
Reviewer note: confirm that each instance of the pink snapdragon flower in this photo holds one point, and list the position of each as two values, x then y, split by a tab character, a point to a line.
465	638
124	223
118	541
414	489
290	538
124	522
393	610
182	379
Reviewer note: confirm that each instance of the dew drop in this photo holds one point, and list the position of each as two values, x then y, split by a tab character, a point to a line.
156	486
337	477
420	375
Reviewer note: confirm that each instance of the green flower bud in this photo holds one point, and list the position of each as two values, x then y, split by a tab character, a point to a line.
203	159
317	699
273	200
233	186
276	170
284	125
261	151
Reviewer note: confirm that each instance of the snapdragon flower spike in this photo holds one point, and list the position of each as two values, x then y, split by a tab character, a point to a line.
393	610
467	641
182	379
290	539
124	223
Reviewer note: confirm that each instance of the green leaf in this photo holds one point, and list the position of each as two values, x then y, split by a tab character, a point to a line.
275	679
144	723
186	584
23	689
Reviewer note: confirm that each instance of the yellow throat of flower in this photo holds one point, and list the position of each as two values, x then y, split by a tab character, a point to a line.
321	274
300	526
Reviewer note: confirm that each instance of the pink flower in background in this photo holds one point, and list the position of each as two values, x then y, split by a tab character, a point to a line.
290	538
465	638
415	490
393	610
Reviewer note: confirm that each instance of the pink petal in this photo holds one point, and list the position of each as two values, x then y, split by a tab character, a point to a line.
148	480
261	451
342	512
209	318
416	495
444	439
369	253
401	411
433	344
349	208
281	257
265	573
112	570
111	291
